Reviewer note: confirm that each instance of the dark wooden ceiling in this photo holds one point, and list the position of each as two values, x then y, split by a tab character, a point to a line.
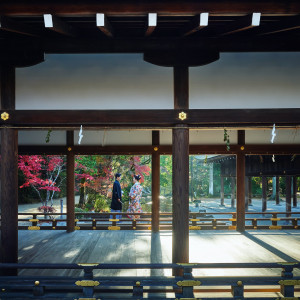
126	27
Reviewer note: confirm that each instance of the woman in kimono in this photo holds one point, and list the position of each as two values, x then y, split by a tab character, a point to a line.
135	196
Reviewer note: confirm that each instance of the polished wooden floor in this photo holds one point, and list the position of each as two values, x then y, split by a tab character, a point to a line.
144	247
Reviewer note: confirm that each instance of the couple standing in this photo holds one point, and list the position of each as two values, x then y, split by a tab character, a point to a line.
135	196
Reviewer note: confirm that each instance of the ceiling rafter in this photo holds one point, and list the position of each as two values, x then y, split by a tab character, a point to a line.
56	24
288	24
104	25
198	22
8	24
152	23
244	23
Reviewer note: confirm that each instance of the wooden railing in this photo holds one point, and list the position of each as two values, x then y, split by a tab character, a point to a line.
185	286
198	221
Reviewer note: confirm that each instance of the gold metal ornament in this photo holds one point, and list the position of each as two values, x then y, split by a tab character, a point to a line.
114	227
33	228
242	148
87	283
195	227
182	116
88	265
5	116
69	149
155	148
189	283
36	283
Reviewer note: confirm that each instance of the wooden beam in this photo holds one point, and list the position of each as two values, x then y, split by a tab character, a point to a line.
87	7
7	87
143	150
240	191
104	25
138	45
180	172
152	23
264	187
56	24
288	194
198	22
290	23
181	87
180	192
155	117
70	183
155	173
244	23
9	199
10	25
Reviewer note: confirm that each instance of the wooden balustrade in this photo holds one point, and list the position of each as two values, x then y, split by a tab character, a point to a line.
186	286
198	221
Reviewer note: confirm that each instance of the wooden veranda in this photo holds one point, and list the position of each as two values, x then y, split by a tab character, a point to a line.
169	33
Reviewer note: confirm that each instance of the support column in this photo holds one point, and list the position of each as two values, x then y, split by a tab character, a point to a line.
294	191
232	191
155	181
180	159
70	183
250	191
288	196
9	174
222	191
246	193
9	197
277	191
264	192
240	183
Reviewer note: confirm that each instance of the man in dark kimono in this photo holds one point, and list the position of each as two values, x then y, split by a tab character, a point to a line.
116	199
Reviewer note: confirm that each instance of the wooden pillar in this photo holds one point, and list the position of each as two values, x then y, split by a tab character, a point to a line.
288	198
70	183
180	161
222	191
232	191
264	192
246	193
180	175
240	183
7	87
9	174
155	181
277	191
9	197
294	191
250	191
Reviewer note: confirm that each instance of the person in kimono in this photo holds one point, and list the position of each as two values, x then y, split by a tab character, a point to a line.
116	199
135	196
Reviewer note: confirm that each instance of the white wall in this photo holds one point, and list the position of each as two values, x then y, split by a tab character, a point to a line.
237	80
144	137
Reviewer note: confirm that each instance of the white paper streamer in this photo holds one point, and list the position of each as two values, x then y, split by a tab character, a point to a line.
80	135
273	134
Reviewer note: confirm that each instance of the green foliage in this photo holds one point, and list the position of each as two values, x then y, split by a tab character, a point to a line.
79	210
101	204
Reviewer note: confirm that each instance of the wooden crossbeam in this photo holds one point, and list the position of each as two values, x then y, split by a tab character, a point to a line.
56	24
104	25
10	25
290	23
220	7
252	149
153	118
198	22
152	23
244	23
